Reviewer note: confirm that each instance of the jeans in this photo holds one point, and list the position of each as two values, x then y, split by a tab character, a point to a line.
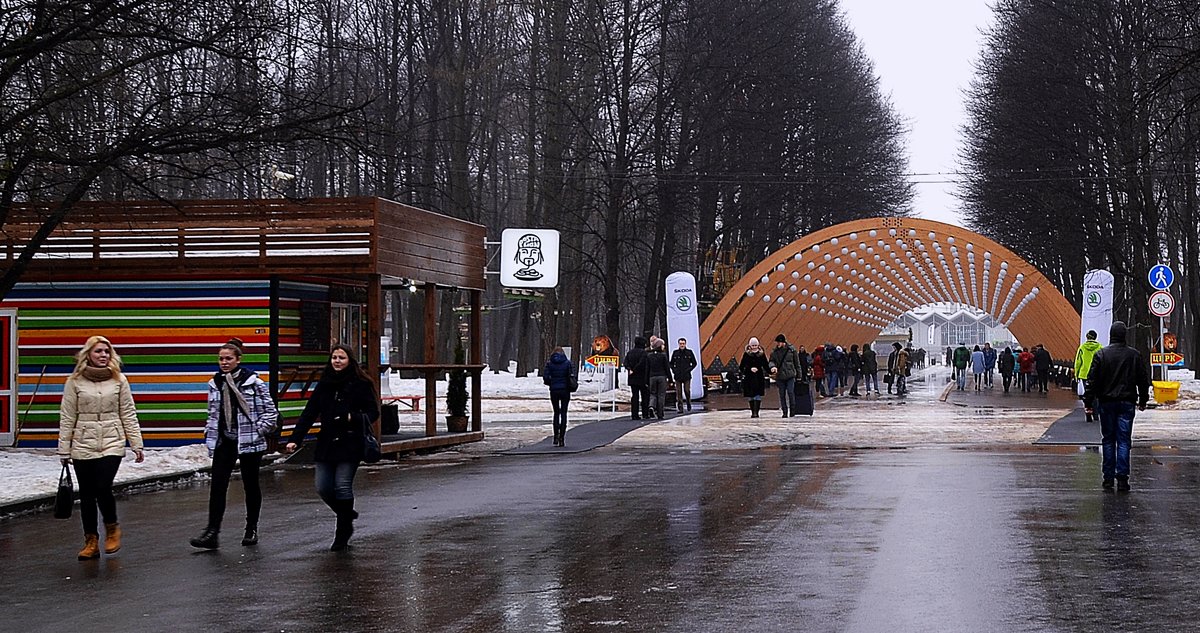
559	400
901	386
834	382
854	387
871	381
987	378
222	467
335	481
1116	430
1043	382
960	378
95	478
1007	380
787	395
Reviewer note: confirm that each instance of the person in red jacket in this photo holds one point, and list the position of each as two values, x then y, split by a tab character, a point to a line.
1026	362
818	369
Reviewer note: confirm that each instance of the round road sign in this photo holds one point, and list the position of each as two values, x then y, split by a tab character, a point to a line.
1161	277
1162	304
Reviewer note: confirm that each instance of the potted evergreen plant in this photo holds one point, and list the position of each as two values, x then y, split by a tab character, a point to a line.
456	393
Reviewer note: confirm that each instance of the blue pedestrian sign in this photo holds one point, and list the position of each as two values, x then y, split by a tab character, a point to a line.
1161	277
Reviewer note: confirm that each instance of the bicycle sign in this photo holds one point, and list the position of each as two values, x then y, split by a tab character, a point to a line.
1162	304
1161	277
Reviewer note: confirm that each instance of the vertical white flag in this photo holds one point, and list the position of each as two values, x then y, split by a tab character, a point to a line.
1097	305
683	322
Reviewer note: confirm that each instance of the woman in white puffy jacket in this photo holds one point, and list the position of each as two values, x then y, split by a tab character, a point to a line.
96	419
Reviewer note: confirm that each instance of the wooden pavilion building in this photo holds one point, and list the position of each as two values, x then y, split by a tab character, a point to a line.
169	282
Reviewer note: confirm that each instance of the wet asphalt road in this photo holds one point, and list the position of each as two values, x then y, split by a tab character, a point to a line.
778	540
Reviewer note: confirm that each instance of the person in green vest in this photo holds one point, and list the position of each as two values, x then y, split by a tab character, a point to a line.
1083	367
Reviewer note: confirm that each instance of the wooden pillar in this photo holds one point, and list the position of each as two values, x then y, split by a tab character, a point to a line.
430	358
374	334
476	359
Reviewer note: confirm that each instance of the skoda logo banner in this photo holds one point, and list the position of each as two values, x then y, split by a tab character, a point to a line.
1093	299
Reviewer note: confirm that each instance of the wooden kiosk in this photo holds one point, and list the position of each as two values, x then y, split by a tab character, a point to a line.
170	281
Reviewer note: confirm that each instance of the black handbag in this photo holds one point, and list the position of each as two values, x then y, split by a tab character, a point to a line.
64	499
372	452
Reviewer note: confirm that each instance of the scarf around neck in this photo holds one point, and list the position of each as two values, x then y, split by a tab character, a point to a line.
229	395
97	374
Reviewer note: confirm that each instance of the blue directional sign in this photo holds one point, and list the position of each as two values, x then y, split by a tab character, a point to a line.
1161	277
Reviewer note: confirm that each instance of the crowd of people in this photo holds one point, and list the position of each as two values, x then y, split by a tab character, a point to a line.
98	419
830	371
1026	369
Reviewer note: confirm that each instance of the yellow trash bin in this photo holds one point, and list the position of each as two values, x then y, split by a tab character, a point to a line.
1166	391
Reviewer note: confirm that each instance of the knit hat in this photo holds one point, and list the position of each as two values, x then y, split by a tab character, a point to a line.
1116	333
753	341
779	338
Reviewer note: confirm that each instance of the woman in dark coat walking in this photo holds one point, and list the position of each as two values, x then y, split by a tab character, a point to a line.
754	367
346	403
558	376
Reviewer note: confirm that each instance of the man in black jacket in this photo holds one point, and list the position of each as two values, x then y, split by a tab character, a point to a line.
785	367
683	361
639	380
1118	381
1042	363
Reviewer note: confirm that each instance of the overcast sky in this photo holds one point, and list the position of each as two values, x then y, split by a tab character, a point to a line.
923	51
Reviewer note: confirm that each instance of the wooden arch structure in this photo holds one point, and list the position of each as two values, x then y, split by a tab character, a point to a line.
845	283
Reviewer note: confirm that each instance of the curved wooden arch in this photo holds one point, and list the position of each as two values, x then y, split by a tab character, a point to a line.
845	283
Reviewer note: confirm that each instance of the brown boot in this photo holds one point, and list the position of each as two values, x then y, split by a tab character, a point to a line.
112	538
91	547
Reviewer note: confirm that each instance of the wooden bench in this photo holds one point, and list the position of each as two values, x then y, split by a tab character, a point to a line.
412	402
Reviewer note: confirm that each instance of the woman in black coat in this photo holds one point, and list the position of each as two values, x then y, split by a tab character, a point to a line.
754	368
346	403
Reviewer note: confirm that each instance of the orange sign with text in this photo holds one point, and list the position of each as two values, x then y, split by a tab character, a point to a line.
1170	358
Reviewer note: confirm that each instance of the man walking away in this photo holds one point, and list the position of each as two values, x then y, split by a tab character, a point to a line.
785	366
1083	366
635	366
683	361
989	364
962	358
1118	380
1042	363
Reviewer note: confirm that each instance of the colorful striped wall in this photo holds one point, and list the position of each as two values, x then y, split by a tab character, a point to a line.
167	333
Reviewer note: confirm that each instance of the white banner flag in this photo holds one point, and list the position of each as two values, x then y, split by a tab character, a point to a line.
683	322
1097	305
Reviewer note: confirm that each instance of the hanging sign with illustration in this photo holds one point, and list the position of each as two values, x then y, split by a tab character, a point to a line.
529	258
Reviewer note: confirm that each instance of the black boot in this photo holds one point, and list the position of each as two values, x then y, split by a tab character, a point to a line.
754	404
207	540
345	524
